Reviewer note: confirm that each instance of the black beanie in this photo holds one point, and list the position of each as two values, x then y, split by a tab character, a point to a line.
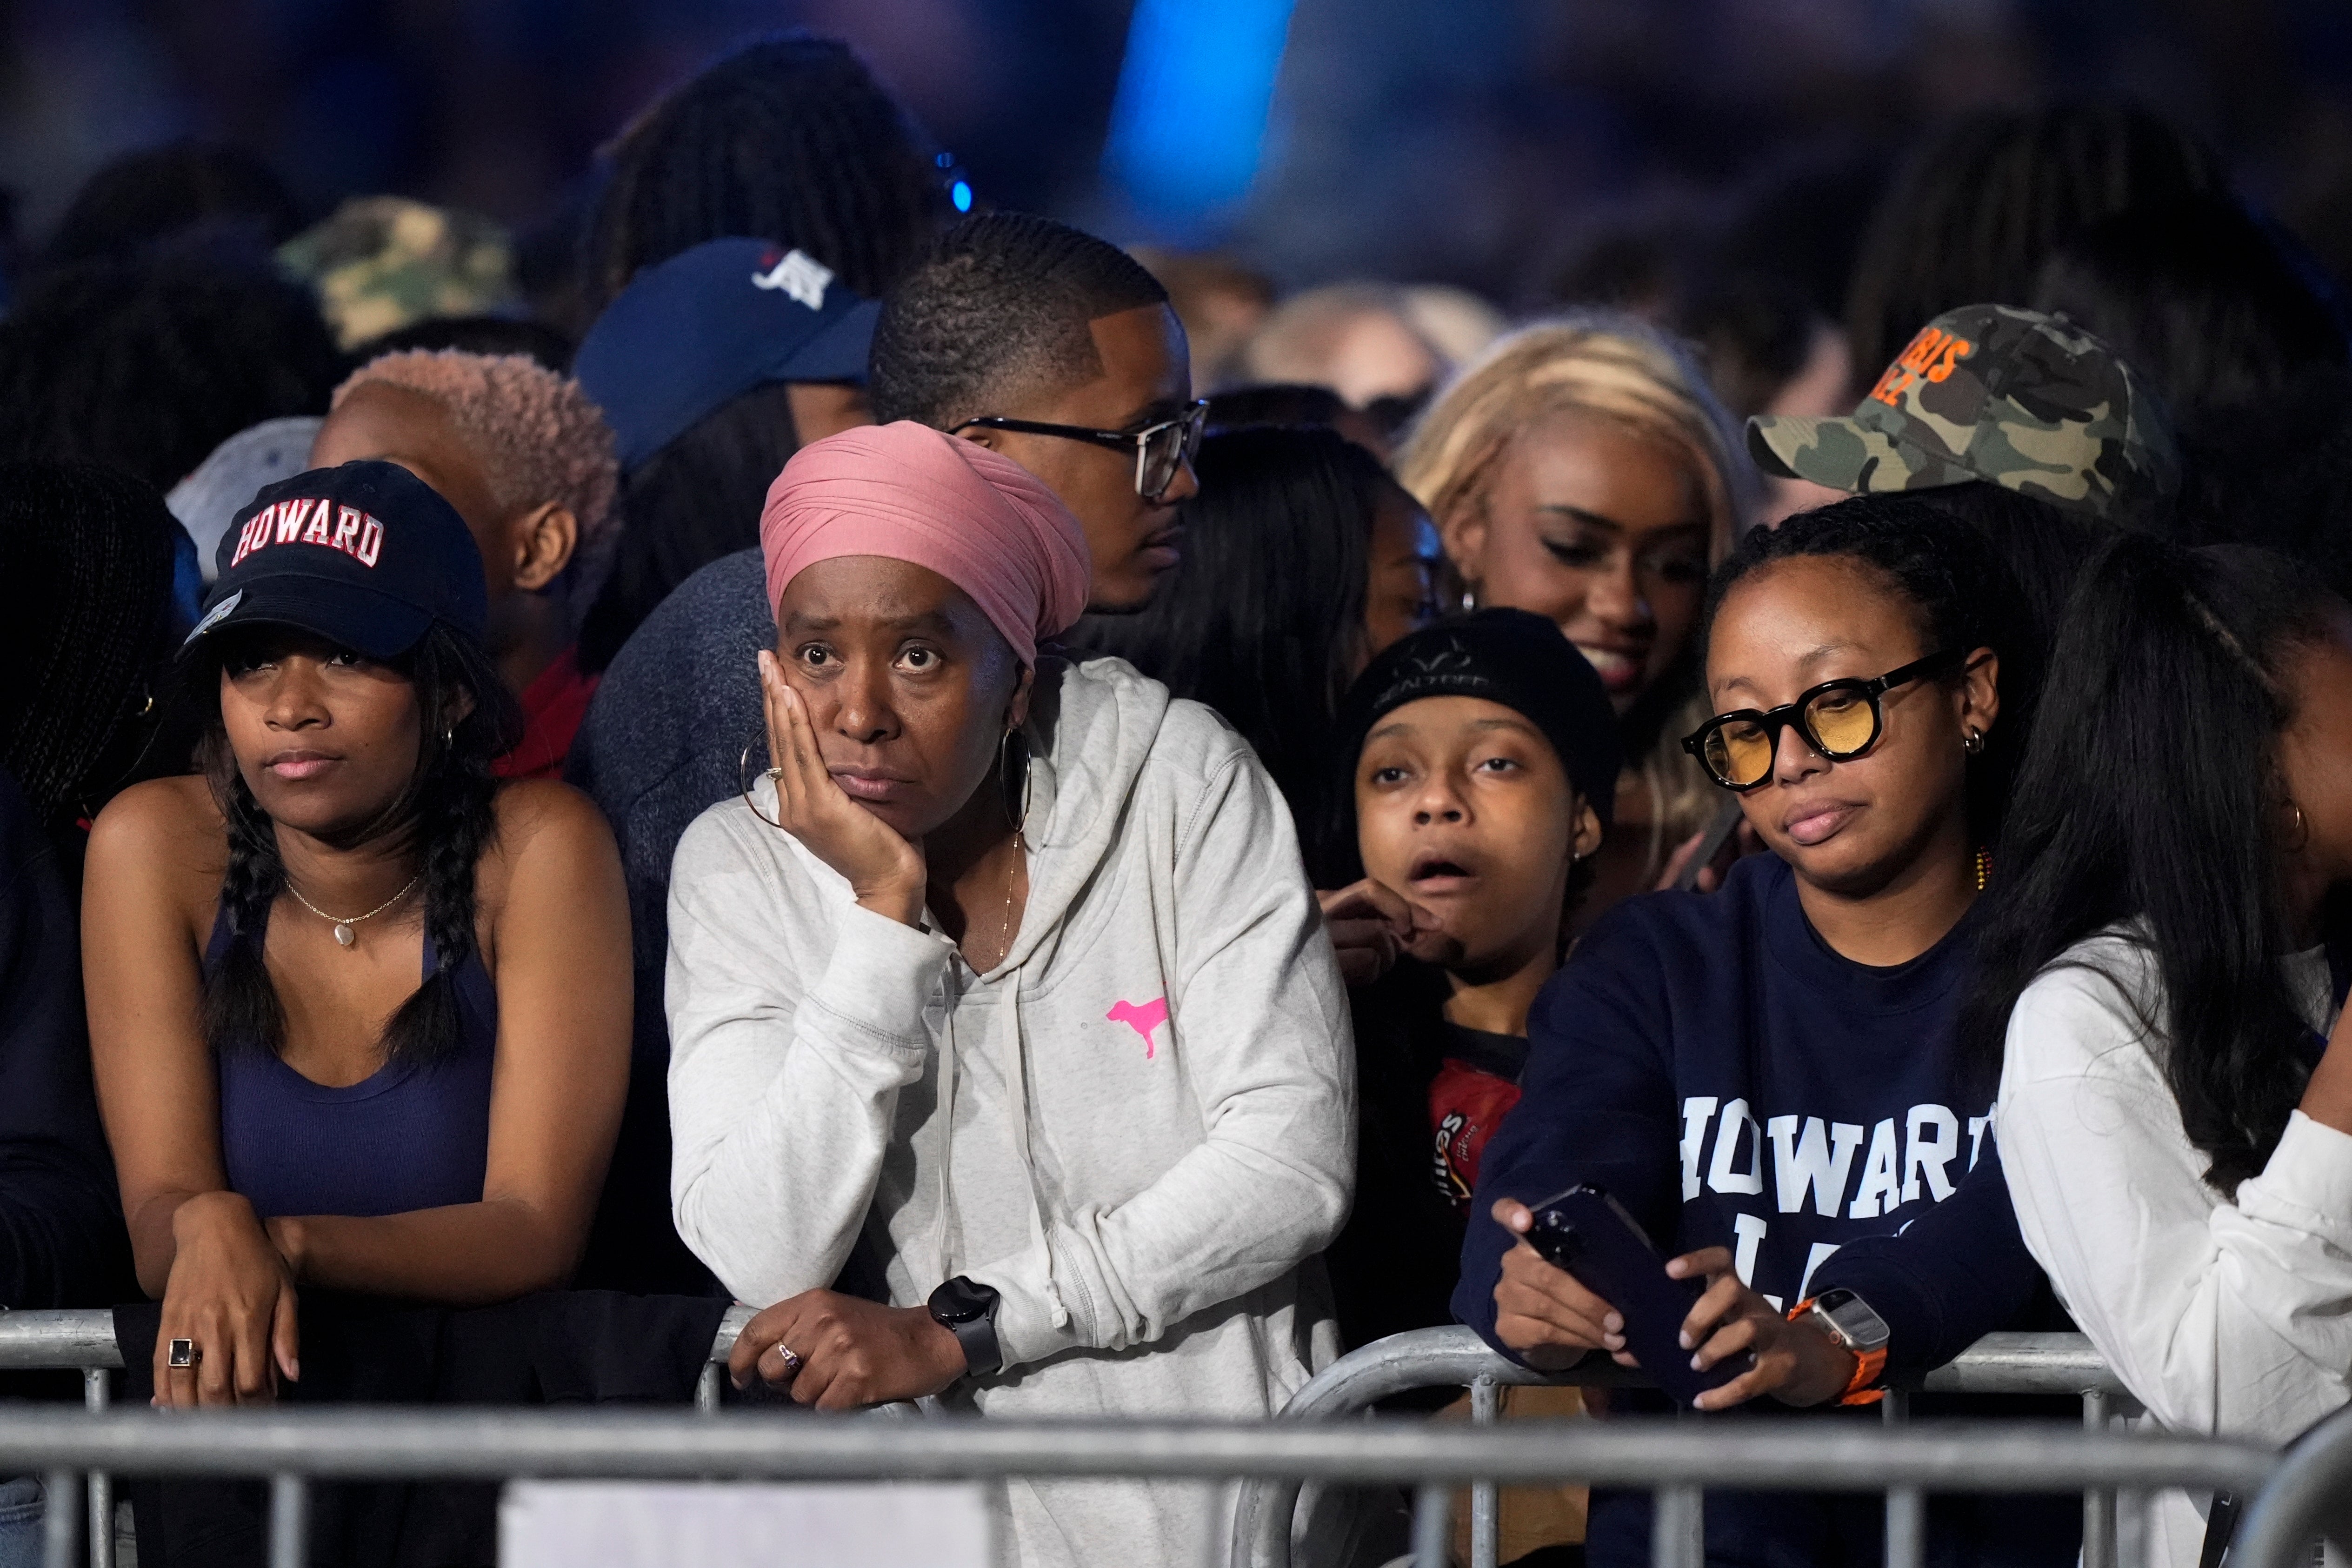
1509	657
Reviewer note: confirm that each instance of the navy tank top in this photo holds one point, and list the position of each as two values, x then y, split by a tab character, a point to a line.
410	1136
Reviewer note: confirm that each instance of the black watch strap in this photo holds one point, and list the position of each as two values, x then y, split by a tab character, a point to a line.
967	1309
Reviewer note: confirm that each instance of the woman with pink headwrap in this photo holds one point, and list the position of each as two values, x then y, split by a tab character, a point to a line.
1008	969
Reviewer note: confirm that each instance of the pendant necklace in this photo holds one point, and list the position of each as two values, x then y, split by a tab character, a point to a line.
343	932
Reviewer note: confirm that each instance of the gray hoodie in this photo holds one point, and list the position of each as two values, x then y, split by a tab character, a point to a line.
1139	1128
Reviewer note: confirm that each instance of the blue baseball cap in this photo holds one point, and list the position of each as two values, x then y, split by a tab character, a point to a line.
709	324
366	555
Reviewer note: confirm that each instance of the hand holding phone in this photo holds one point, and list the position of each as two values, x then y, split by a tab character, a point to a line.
1588	1234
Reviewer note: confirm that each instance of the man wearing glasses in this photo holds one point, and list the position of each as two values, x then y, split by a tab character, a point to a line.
1060	352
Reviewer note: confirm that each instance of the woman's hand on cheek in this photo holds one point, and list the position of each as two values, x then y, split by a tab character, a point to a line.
232	1297
1795	1363
846	1352
883	868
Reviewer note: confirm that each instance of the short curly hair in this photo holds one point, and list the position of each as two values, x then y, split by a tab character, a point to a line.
539	437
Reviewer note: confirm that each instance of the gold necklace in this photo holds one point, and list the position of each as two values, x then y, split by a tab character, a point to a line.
1004	925
343	932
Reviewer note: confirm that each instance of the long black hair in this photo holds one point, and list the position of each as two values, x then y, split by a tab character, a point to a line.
695	500
90	551
1960	591
446	813
787	139
2150	794
147	365
1264	620
1982	204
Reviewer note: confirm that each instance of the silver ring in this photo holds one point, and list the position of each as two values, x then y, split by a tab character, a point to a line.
184	1352
791	1359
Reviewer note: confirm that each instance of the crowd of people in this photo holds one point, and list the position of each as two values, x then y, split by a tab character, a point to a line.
1084	858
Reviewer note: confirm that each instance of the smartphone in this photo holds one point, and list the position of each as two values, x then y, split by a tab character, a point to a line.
1588	1234
1727	818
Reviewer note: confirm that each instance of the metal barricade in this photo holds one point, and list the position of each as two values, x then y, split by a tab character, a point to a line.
294	1446
1456	1357
83	1340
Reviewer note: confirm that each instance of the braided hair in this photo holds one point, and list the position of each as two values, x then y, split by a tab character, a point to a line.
150	365
92	549
789	139
446	814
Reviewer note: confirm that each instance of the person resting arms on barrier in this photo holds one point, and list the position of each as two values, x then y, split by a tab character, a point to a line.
1008	977
2162	985
1481	761
1764	1073
358	1013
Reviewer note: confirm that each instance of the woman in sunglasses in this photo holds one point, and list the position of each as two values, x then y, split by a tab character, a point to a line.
1764	1073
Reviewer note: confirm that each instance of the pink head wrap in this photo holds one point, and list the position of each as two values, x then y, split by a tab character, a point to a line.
912	493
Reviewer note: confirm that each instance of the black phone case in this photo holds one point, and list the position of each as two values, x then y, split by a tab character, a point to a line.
1589	1235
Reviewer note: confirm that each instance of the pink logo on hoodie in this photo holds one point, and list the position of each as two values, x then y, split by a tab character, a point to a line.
1142	1019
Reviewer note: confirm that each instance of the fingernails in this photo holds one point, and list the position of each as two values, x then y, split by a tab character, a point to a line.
1615	1323
1684	1340
1694	1367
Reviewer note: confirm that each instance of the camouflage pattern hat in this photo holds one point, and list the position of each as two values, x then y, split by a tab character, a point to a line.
1988	392
381	263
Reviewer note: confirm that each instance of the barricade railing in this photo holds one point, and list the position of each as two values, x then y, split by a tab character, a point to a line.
294	1446
291	1446
1456	1358
83	1340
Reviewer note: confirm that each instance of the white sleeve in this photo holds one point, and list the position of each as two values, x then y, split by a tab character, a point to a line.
782	1091
2219	1317
1260	1023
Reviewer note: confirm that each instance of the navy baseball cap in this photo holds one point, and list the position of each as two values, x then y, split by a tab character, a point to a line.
709	324
366	555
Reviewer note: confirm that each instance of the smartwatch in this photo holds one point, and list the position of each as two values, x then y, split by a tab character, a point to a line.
967	1310
1848	1318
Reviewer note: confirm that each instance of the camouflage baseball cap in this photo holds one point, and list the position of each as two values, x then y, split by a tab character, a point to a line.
1990	392
380	263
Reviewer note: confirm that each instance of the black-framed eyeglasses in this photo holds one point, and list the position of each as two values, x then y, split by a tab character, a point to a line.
1839	719
1161	447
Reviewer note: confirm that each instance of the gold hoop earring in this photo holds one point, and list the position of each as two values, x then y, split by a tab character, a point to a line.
744	785
2302	826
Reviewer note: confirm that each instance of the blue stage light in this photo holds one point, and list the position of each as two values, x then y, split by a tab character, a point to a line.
960	194
1188	125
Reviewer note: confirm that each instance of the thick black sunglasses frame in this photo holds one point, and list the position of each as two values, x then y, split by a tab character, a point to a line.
1774	720
1194	420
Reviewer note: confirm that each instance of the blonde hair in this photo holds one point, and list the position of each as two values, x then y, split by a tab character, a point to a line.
537	434
1610	367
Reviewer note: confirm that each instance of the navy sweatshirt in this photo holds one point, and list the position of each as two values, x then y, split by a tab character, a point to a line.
1735	1082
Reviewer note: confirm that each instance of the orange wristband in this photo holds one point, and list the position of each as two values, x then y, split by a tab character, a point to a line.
1862	1387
